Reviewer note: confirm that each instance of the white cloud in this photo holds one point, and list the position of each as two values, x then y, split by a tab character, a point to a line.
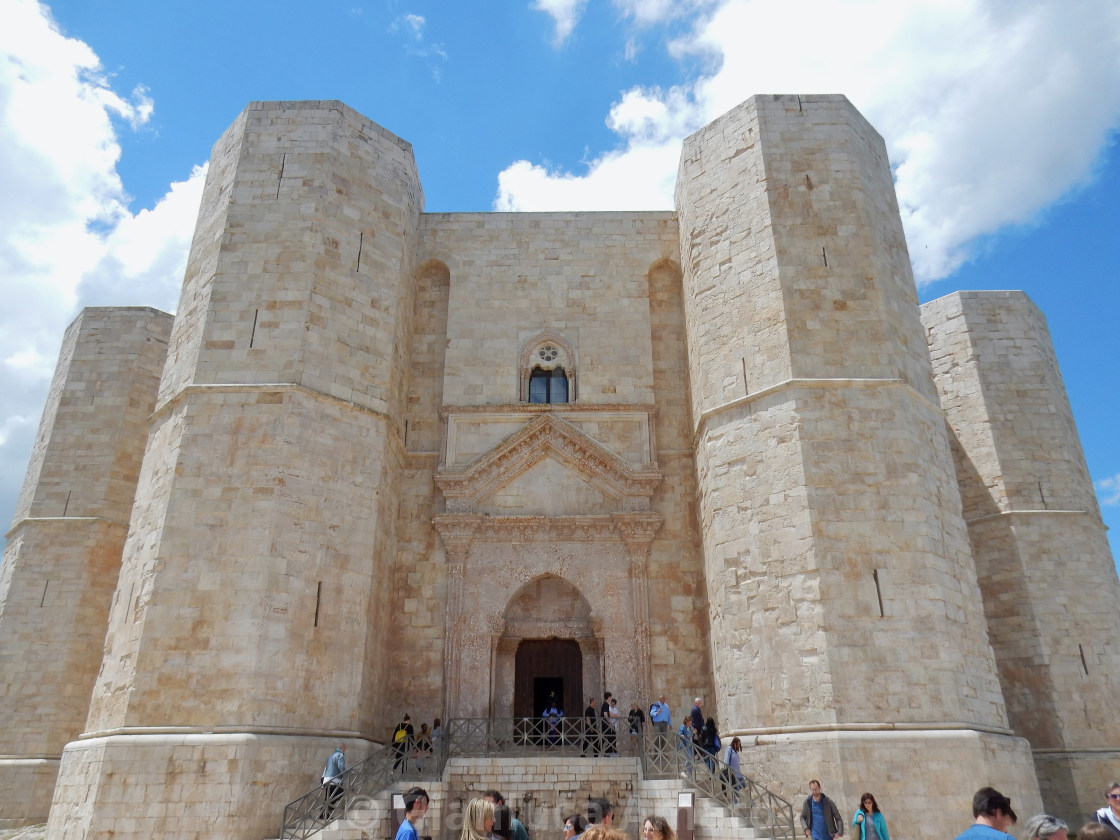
67	238
1108	491
647	12
564	13
416	45
990	111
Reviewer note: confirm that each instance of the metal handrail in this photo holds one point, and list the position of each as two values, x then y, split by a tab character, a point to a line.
668	755
663	755
531	736
308	814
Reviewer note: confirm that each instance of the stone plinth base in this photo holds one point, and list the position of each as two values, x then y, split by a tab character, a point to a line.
220	786
1073	781
923	779
26	785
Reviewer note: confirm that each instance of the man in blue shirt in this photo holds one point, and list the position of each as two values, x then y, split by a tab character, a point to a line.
415	806
993	814
660	715
820	818
332	781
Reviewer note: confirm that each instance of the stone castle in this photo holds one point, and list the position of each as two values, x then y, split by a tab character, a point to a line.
383	460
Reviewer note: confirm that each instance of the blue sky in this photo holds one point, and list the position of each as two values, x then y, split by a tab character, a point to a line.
1001	119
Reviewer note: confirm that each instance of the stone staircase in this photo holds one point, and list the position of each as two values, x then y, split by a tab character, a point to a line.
542	789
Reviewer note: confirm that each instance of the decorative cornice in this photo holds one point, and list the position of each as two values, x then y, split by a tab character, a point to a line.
543	436
460	529
449	411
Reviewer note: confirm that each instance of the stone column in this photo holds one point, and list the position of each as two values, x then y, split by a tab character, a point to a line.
245	638
638	531
847	631
1042	555
63	554
456	532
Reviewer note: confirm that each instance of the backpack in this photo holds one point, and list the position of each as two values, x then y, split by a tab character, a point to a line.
400	734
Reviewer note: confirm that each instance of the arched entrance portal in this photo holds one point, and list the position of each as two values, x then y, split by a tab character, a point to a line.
547	636
543	667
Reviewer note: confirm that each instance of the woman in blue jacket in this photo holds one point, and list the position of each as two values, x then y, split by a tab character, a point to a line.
871	824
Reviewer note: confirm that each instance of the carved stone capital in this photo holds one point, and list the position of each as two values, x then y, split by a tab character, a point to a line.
457	532
637	530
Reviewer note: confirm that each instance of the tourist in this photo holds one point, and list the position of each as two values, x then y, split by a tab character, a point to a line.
687	745
1096	831
613	716
423	746
437	734
710	743
503	825
1110	814
602	832
657	828
478	820
993	814
870	821
518	831
607	744
733	772
553	718
415	806
402	741
590	729
660	715
636	723
332	781
574	824
820	818
1045	827
599	812
697	716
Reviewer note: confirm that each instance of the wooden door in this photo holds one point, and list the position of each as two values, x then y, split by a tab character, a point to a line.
545	665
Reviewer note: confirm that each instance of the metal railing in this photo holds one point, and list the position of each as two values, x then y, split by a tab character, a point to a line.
663	756
532	736
668	756
321	805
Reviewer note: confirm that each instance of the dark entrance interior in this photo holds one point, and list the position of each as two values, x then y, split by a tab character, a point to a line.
543	666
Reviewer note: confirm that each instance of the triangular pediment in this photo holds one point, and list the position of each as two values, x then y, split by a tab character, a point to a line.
587	467
548	487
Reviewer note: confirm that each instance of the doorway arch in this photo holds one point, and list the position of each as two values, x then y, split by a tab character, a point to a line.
548	633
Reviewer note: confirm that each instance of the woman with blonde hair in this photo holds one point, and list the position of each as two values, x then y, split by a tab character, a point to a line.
478	820
598	831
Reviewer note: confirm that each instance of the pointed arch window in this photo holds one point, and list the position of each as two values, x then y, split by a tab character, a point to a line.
547	369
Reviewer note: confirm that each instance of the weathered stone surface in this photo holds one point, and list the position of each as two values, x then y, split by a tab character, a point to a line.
348	506
64	550
1045	569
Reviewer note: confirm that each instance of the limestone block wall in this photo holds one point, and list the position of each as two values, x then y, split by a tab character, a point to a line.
610	284
64	549
583	275
842	592
1042	555
265	513
829	508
